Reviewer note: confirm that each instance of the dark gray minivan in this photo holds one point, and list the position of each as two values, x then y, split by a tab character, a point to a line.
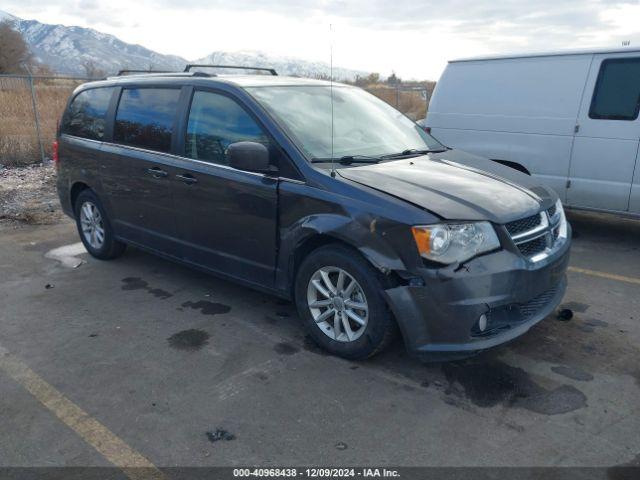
320	193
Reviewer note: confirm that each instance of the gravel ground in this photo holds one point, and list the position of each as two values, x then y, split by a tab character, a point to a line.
28	196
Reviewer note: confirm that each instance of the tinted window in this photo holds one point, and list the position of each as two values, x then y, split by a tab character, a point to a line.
617	92
145	117
86	114
215	122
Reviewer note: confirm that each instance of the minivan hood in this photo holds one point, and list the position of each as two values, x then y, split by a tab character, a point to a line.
457	186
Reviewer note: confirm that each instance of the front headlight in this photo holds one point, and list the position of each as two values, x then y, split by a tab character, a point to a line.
451	243
562	232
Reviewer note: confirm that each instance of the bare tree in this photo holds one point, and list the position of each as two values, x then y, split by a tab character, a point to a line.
393	79
91	70
15	56
371	79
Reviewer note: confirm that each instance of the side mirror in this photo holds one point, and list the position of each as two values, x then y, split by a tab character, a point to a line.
249	156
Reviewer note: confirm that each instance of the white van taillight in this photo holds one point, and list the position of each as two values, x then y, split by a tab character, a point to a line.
427	129
54	154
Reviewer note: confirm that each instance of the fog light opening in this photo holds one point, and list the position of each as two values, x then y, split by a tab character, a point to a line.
482	322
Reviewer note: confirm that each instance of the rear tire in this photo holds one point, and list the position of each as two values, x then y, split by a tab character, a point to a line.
95	228
348	319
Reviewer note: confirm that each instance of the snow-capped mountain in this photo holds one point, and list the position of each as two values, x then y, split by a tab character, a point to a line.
67	50
6	16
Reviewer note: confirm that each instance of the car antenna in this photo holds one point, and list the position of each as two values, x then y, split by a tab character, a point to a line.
333	167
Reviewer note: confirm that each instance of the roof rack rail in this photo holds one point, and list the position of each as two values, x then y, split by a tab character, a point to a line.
147	73
272	71
128	71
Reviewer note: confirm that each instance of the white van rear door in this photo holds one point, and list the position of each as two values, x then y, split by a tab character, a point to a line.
605	146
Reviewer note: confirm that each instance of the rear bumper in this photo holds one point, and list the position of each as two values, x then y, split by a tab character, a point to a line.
440	319
62	186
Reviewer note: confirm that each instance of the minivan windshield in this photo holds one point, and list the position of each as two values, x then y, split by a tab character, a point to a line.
364	127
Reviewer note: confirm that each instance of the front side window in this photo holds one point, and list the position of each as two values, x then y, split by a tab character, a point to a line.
345	121
617	92
145	117
215	122
87	114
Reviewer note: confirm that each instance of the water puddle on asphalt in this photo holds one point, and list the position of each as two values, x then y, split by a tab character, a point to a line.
135	283
208	308
189	340
493	383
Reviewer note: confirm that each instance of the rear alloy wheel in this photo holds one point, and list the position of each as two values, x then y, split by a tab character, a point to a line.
94	227
337	304
340	300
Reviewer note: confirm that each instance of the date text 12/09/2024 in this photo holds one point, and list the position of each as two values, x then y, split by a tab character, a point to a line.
316	472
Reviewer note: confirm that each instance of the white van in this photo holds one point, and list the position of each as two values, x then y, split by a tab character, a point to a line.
569	118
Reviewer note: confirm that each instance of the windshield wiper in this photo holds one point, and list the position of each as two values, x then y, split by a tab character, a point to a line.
413	152
347	159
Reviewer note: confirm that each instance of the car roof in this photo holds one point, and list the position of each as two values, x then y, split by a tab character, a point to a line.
242	81
270	80
556	53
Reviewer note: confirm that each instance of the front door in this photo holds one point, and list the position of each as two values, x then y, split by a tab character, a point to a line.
605	146
226	218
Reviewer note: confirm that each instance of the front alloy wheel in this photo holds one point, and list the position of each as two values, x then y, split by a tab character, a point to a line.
337	304
339	296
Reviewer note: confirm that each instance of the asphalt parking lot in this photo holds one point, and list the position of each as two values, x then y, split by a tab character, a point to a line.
132	362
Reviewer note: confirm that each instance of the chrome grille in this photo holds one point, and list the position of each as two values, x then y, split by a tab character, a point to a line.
523	225
536	235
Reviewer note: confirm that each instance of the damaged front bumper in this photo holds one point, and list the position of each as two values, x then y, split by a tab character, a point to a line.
440	319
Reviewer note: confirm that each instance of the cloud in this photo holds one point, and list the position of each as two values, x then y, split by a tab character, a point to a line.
413	37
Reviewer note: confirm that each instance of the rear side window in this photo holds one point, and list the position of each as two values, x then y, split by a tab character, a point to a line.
617	92
215	122
87	113
145	117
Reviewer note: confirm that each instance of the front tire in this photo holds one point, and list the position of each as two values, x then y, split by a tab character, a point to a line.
339	298
94	227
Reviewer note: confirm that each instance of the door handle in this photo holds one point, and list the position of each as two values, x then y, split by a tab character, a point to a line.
188	179
157	172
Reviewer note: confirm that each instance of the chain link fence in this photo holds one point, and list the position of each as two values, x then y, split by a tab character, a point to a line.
31	107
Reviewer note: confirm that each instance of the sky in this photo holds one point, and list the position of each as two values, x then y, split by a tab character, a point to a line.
413	38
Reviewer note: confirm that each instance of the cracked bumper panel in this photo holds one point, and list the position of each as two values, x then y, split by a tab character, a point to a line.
515	294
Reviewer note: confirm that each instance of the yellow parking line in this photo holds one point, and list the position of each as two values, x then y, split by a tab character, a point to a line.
132	463
610	276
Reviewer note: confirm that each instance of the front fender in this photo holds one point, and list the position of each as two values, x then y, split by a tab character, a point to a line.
368	234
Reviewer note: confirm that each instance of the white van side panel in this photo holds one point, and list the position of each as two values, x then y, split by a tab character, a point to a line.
527	95
520	110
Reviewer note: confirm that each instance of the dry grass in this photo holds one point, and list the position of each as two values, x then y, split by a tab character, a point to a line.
18	139
411	103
